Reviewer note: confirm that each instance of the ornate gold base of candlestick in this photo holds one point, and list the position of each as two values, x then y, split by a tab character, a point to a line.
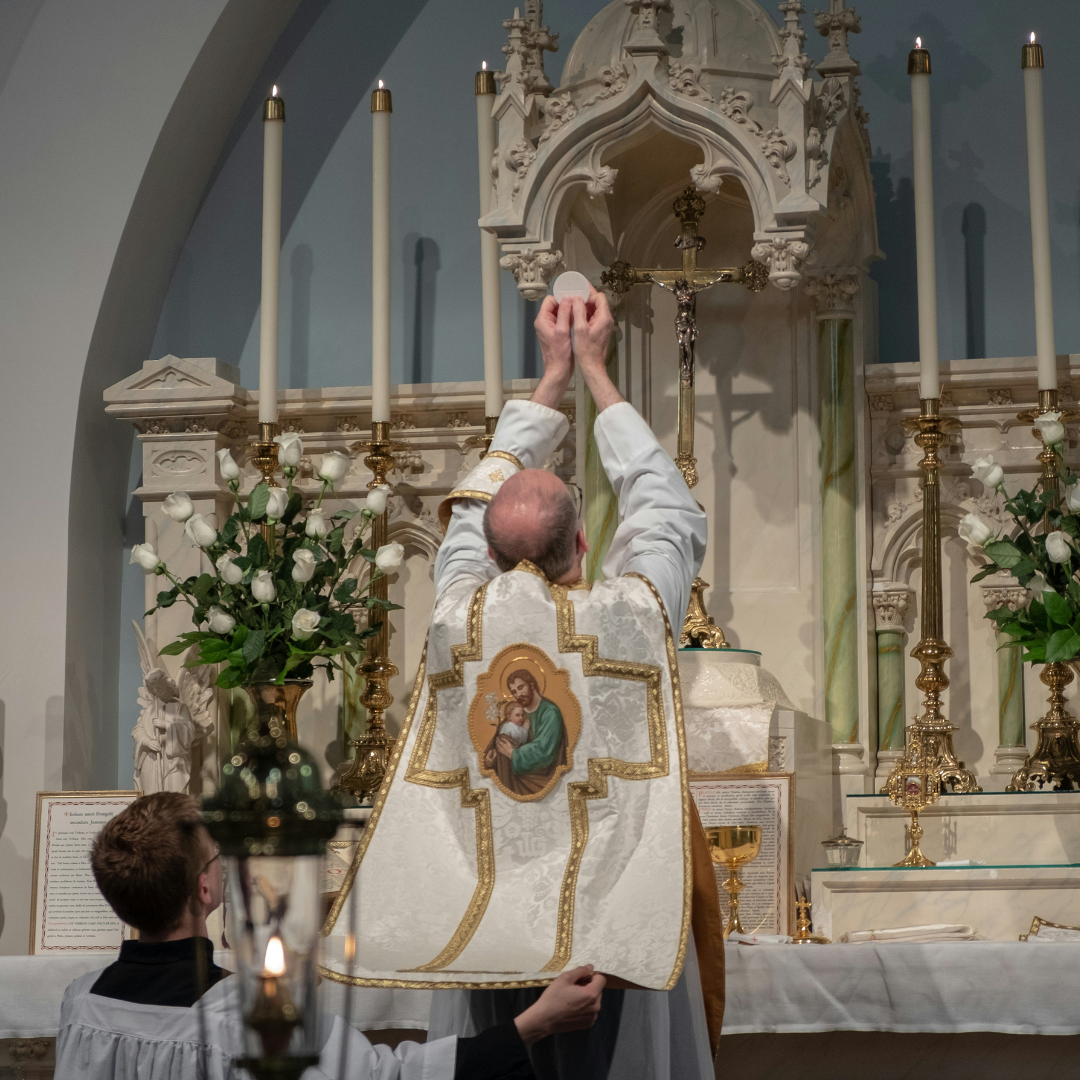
1056	757
264	456
698	627
373	747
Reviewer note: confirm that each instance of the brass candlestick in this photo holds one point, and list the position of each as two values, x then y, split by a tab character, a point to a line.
373	747
803	934
265	458
733	846
1056	757
929	737
484	441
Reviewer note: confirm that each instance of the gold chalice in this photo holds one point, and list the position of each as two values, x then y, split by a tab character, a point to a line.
733	846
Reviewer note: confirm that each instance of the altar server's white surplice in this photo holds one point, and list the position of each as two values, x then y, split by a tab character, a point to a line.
104	1038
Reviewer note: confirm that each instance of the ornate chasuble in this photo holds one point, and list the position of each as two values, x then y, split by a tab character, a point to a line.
535	814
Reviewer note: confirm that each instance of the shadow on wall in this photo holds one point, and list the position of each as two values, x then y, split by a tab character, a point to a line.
530	367
421	258
898	300
973	227
301	266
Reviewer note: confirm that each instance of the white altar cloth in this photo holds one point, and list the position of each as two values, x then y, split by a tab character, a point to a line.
1016	988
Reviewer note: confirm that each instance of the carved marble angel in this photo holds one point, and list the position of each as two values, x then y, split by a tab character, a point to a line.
176	714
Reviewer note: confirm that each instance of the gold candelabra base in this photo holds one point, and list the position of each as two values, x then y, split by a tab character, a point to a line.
373	748
1056	757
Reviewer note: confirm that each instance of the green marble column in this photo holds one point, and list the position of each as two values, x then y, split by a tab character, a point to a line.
839	592
890	689
1010	673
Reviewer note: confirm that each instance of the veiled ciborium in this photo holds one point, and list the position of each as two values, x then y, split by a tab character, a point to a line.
733	846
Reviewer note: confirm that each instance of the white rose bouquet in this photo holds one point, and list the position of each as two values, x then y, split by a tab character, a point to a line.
267	615
1044	555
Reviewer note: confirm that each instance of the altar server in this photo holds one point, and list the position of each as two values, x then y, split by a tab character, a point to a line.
536	813
165	1011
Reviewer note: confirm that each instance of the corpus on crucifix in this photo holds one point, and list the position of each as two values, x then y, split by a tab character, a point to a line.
685	283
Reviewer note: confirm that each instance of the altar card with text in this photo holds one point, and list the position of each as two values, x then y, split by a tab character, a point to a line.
765	905
68	913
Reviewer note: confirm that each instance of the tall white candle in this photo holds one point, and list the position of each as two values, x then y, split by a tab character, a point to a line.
273	129
489	247
1032	63
919	70
381	108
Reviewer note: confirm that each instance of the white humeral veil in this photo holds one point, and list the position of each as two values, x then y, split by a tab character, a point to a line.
459	883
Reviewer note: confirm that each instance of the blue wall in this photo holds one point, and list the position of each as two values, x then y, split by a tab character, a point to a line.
333	52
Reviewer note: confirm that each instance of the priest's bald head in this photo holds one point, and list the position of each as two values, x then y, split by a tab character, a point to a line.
533	517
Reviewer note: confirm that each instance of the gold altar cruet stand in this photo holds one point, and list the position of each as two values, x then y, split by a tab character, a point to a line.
1056	757
929	764
372	748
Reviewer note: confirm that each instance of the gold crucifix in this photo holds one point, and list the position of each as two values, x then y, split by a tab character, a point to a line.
686	282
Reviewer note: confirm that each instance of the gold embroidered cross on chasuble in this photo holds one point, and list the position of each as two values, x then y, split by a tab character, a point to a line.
535	813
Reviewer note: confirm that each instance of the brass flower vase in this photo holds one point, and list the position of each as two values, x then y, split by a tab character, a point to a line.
276	704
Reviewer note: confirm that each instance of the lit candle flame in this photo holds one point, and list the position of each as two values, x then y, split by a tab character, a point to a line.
918	43
274	962
1032	39
483	63
380	84
274	92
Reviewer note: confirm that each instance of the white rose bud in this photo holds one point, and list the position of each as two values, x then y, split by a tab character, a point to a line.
990	474
292	448
277	504
228	571
333	466
304	624
220	622
1038	584
389	557
262	587
376	499
304	570
1072	497
1057	547
227	466
179	506
200	531
974	530
317	526
144	555
1050	427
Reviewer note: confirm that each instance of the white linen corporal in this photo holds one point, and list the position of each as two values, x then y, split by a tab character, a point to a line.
106	1039
595	867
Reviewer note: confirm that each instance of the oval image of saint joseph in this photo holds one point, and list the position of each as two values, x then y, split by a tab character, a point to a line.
530	744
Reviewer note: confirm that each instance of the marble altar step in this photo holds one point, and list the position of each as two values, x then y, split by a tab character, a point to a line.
1026	828
998	901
